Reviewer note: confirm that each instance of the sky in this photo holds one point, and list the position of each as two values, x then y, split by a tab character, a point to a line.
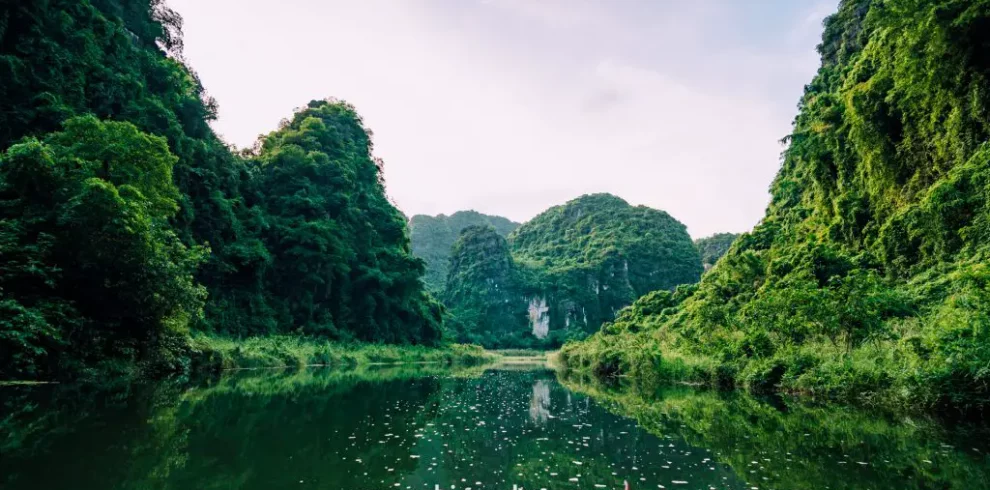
509	107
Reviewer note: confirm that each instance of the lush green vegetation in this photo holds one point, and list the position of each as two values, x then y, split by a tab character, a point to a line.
125	223
90	262
332	258
432	238
561	275
128	228
714	247
868	277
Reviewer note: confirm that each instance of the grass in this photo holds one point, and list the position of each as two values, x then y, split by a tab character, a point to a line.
213	354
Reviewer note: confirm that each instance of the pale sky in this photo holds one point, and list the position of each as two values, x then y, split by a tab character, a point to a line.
509	107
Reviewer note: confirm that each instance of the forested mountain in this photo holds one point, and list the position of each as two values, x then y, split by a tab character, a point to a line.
432	237
338	259
869	275
565	272
714	247
125	222
486	291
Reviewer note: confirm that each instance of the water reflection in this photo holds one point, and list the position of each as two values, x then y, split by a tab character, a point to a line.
415	428
792	443
539	404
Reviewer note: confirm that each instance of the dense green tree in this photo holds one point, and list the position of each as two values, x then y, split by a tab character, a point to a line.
341	263
601	233
432	238
869	273
110	231
121	60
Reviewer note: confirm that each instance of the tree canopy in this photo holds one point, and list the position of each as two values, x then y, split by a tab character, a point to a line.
596	232
340	264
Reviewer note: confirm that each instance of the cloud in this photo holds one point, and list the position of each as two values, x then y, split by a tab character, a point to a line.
602	99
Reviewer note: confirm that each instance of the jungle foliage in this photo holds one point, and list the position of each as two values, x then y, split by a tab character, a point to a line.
868	278
125	222
563	273
433	237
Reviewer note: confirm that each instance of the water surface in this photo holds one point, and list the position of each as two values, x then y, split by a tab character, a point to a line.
426	427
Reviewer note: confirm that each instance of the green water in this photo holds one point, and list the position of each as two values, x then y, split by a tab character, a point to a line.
420	428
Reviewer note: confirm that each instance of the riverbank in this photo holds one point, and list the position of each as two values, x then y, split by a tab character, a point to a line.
878	374
214	354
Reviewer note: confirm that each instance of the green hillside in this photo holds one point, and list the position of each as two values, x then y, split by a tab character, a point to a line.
868	277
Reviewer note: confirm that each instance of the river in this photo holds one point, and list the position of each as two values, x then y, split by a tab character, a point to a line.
426	427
